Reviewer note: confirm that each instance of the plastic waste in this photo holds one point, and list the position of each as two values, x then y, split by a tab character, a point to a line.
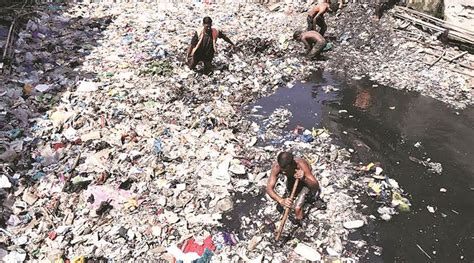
42	87
4	182
307	252
353	224
87	86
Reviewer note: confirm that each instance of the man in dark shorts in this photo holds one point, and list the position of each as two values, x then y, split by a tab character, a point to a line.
204	45
316	17
293	168
314	42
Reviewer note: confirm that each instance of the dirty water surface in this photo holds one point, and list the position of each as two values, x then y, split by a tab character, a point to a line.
394	128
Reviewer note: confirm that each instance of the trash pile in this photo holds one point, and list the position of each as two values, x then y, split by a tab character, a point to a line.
395	53
386	191
325	230
271	128
112	148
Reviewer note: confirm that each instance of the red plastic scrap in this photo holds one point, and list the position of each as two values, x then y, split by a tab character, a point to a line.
191	246
298	129
58	145
52	235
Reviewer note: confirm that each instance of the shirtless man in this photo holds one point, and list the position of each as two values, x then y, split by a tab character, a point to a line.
340	2
293	168
316	17
313	42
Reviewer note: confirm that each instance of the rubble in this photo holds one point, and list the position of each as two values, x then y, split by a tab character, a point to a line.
112	148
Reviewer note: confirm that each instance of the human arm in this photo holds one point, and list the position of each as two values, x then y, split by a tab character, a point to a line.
226	39
322	10
194	41
306	45
304	173
287	202
317	15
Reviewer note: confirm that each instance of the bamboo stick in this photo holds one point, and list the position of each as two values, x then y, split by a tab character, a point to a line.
287	211
454	33
458	56
451	34
438	59
449	60
435	20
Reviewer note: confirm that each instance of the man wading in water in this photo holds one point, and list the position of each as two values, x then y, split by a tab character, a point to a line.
314	42
293	168
204	45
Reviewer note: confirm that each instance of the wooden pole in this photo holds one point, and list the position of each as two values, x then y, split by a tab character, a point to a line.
452	60
436	21
439	58
287	211
458	56
455	32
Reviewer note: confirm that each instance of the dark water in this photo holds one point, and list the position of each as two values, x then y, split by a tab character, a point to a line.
3	32
4	28
245	205
383	124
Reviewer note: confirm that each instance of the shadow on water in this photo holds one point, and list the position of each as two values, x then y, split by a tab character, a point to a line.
384	124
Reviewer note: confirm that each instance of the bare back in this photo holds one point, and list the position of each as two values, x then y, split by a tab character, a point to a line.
313	36
319	8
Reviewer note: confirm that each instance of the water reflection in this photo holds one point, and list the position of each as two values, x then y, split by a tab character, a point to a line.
363	98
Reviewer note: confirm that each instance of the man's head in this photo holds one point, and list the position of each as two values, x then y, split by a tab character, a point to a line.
297	35
286	162
207	23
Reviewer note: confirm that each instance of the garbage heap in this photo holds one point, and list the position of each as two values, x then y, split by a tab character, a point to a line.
113	149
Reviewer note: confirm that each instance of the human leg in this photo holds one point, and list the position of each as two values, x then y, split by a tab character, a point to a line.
207	65
192	62
309	22
316	49
299	202
322	24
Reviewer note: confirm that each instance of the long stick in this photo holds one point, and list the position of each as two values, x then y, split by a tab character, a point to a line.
458	56
287	211
452	34
449	60
436	21
439	58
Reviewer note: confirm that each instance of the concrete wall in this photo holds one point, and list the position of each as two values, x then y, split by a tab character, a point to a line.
460	13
